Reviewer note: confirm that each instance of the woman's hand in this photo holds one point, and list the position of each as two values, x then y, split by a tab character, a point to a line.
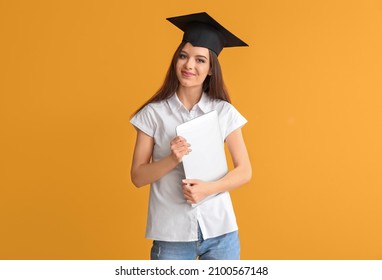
195	191
145	171
179	148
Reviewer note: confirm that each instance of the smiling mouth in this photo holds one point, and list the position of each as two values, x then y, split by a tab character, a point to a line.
187	74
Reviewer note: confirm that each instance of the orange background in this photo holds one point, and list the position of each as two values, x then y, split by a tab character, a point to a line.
310	85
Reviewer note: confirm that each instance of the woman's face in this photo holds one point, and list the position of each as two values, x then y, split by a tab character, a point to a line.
193	66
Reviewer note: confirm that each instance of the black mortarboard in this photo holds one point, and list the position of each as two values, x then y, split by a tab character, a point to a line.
201	30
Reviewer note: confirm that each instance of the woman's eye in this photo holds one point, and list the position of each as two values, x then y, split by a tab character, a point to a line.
182	56
200	60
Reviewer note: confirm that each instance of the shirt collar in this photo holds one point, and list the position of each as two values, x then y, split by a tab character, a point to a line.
203	102
175	104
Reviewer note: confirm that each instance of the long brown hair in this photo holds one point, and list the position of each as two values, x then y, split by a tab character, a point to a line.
213	85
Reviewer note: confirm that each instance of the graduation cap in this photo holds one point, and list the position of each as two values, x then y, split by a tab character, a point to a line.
202	30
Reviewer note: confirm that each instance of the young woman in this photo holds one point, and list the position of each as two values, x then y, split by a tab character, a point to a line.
193	86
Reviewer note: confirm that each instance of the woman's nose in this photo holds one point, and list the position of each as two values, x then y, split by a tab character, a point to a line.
189	64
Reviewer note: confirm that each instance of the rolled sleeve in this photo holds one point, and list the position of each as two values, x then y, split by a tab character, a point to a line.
144	121
232	119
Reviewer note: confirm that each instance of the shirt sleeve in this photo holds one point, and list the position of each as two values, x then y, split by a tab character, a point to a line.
144	120
233	120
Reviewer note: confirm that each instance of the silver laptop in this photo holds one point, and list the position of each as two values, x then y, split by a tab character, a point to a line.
207	160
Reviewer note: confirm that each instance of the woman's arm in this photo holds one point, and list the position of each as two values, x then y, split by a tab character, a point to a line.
143	171
196	190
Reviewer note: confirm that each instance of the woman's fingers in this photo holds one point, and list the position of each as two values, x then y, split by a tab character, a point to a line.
178	139
179	148
188	194
188	197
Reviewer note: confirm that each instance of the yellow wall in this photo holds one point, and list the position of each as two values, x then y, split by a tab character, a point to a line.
310	85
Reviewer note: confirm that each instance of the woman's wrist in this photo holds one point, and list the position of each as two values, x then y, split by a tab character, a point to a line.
172	160
212	188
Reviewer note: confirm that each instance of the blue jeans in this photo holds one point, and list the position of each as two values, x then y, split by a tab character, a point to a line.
224	247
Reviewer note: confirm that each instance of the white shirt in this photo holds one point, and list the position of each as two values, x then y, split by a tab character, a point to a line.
170	217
